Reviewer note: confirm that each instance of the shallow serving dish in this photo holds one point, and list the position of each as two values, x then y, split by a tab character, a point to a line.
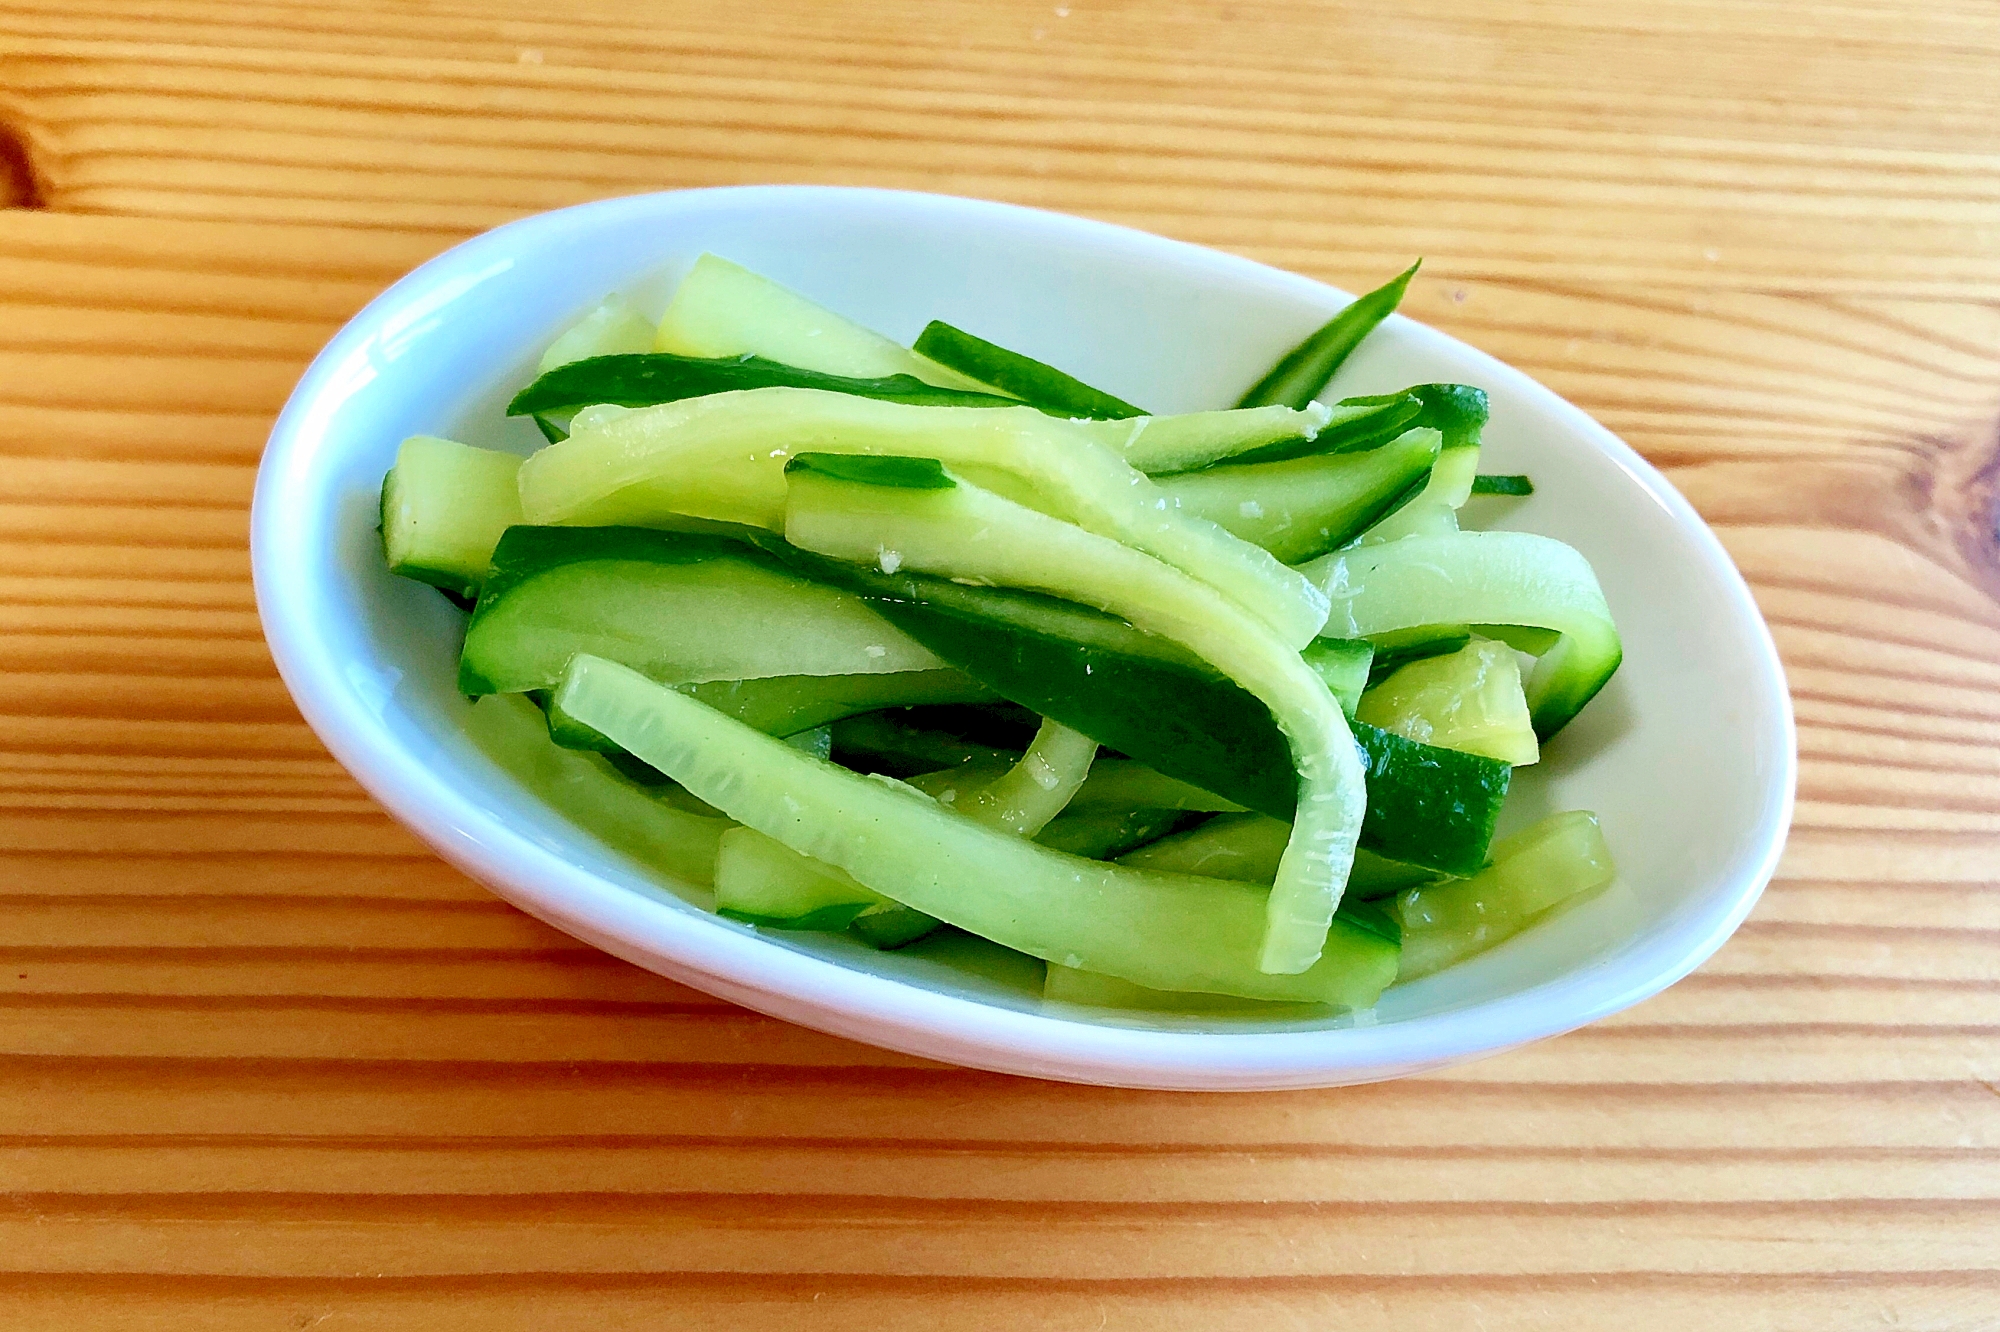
1688	755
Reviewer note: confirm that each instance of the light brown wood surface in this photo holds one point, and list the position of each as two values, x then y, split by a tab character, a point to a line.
266	1064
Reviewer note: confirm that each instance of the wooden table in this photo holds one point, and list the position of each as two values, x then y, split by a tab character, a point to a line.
266	1064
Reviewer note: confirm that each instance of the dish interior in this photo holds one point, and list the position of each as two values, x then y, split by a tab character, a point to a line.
1677	756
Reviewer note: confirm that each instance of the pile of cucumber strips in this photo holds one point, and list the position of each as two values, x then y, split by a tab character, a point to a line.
1205	712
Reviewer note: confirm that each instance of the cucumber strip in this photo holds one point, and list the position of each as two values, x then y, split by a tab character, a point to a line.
1493	483
788	705
1376	877
1555	861
1308	506
1242	847
967	533
1109	833
1458	411
891	926
1143	696
1073	985
1038	385
625	817
799	893
1123	784
723	309
718	457
1484	577
1344	664
1434	510
1166	931
1469	700
648	379
1023	796
683	607
1114	784
1163	445
1520	637
783	704
1246	847
1303	371
613	328
878	744
763	882
444	506
1398	648
1023	799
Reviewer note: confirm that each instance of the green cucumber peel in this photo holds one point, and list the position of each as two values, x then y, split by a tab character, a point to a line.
874	470
1396	650
892	926
1304	371
1039	385
1492	483
1105	834
647	379
1344	664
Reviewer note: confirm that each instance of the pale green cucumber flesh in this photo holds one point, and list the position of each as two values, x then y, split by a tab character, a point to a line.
1470	700
1560	859
444	508
1163	931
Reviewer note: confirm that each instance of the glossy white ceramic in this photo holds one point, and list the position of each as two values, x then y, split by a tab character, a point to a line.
1689	755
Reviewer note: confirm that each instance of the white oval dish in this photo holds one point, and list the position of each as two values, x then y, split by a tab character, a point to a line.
1689	755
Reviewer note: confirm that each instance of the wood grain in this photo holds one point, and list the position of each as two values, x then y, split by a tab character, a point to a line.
266	1064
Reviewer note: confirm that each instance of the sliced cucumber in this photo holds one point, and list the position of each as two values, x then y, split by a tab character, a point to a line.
684	608
878	743
1165	931
967	533
1143	696
1469	700
1344	663
628	818
768	884
1242	847
1123	784
1108	833
444	506
658	377
1307	506
1557	860
614	328
789	705
723	309
763	882
723	457
892	925
1489	578
1073	985
1303	371
1030	380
